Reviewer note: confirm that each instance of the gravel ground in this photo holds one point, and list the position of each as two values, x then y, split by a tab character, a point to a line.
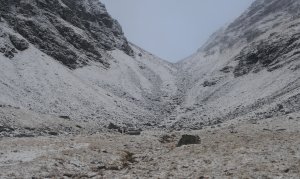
268	148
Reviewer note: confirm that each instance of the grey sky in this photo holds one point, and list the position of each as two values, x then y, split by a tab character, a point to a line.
173	29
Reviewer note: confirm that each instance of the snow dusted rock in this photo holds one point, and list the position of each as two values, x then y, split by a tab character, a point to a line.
208	83
6	46
255	61
73	32
188	140
20	44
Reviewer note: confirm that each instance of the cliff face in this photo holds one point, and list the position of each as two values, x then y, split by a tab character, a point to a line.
74	32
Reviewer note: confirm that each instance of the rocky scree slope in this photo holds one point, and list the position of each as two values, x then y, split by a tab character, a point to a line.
249	68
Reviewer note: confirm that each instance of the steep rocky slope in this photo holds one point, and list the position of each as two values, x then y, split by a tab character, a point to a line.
249	68
70	58
72	32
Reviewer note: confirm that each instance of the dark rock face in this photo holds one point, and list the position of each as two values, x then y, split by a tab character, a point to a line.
188	139
73	32
267	54
269	30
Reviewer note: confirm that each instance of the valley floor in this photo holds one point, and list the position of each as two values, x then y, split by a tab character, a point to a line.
247	149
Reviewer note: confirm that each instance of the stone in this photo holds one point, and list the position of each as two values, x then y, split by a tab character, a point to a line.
209	83
133	132
280	106
188	140
113	126
70	175
203	177
2	49
9	54
65	117
226	69
53	133
19	43
267	116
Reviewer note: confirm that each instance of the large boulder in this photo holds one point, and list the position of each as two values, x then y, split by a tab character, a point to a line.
188	140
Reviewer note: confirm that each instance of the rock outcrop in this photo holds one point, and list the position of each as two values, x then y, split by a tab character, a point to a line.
73	32
20	44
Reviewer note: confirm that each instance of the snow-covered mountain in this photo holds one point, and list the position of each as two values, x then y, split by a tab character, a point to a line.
72	32
250	67
70	58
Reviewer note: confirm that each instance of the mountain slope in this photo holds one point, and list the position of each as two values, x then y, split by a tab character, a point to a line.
250	67
70	58
80	65
72	32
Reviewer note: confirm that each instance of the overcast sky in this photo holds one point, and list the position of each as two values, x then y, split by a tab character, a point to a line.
173	29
